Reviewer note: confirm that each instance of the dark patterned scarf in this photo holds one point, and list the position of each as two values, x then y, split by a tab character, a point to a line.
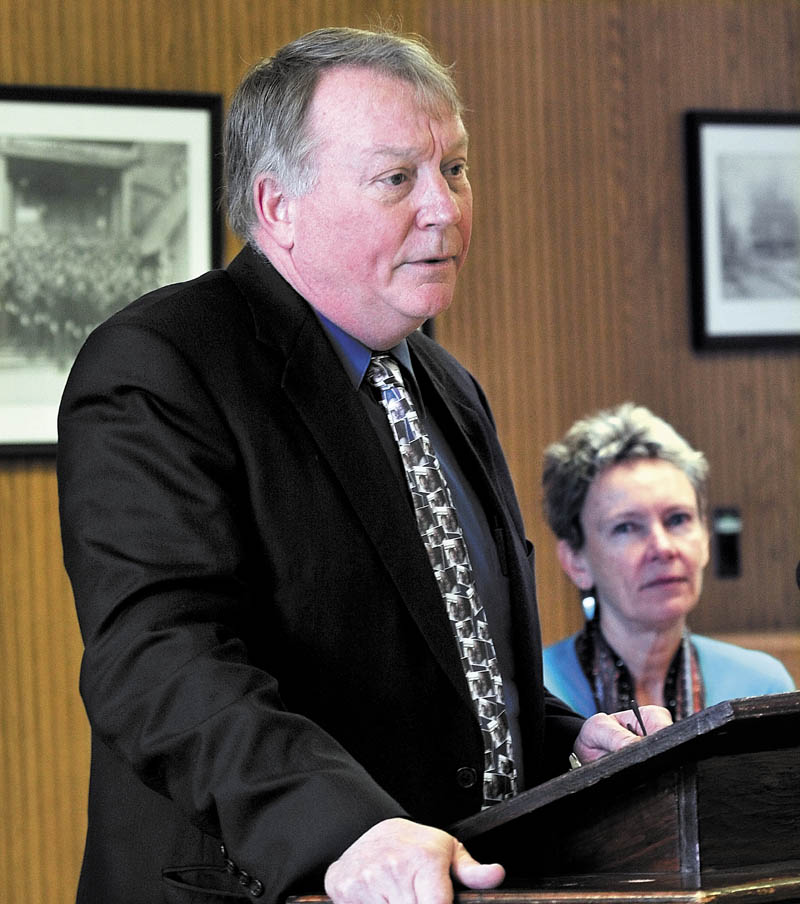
612	684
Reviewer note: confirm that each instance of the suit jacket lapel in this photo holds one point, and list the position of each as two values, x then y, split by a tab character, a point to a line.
465	426
317	385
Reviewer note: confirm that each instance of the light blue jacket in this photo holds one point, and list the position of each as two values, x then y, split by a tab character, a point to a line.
728	672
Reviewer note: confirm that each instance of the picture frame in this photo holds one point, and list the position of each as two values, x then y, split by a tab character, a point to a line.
105	194
743	184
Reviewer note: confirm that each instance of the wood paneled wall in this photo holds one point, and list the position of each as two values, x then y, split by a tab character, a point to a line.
574	297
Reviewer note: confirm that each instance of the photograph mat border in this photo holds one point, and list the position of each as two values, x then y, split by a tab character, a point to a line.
781	316
192	119
110	122
718	323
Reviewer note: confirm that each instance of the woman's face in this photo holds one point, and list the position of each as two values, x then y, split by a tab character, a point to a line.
645	545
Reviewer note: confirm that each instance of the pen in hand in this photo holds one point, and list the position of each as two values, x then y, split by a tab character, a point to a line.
639	719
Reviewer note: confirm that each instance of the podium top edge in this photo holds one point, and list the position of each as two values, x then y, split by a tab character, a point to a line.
700	724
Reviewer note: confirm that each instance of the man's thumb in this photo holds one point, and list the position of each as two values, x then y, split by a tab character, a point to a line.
470	873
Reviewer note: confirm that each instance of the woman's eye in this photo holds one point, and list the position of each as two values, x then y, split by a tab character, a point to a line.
678	518
624	527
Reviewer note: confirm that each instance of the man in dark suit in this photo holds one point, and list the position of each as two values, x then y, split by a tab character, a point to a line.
276	692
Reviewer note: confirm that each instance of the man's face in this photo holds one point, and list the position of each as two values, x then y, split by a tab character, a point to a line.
379	240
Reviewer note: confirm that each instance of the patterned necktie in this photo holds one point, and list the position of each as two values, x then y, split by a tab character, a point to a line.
444	541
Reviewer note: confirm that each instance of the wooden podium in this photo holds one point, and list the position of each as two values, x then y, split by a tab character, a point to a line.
709	804
705	810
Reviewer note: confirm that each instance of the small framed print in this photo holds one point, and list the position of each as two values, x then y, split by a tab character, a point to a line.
743	180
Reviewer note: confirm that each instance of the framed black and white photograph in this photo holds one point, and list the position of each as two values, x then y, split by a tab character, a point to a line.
104	195
743	179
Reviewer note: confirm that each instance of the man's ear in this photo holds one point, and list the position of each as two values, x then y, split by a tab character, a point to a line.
274	210
575	565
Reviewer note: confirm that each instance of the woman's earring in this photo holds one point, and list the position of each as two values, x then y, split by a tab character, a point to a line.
589	605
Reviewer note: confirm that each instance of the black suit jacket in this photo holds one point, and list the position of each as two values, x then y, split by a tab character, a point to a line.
268	666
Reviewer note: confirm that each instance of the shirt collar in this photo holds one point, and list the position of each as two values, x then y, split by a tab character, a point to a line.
355	356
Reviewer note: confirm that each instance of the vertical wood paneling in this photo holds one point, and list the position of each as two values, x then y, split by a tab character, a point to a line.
574	296
202	45
43	730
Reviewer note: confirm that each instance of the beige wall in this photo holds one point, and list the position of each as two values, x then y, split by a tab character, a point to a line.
574	297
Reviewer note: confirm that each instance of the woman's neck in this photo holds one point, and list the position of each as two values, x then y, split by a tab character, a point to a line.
647	655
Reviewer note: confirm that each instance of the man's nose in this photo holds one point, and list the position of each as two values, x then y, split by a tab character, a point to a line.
439	204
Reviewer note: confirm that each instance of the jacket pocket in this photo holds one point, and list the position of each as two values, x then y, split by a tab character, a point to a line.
208	885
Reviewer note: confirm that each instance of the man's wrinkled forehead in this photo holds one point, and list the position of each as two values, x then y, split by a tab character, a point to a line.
458	144
434	102
381	115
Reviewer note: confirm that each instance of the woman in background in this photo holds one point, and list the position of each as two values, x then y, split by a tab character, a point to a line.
626	497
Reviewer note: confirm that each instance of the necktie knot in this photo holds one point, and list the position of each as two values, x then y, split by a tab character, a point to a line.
383	372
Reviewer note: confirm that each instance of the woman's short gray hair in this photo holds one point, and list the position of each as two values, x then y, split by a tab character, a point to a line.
266	130
607	438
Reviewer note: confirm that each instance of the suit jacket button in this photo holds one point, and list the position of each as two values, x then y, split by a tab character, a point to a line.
256	888
466	777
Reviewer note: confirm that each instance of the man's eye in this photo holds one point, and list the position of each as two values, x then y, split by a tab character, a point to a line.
456	170
396	179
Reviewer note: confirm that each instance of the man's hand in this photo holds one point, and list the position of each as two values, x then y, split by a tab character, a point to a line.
400	862
603	733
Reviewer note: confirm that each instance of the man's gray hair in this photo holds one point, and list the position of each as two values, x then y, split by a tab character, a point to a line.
603	439
266	130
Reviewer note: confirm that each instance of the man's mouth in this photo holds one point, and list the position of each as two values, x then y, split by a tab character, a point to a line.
433	260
